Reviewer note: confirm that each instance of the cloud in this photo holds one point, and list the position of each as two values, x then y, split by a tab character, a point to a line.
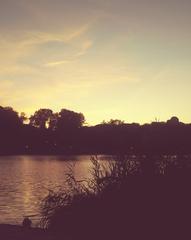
53	64
19	49
35	38
86	45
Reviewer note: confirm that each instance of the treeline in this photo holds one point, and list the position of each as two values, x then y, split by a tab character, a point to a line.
65	132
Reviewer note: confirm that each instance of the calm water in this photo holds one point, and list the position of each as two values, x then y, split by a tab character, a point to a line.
25	180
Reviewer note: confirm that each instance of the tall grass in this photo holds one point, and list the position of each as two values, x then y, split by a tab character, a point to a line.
126	197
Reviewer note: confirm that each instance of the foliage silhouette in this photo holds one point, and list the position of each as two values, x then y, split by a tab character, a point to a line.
41	118
121	201
65	133
69	120
9	118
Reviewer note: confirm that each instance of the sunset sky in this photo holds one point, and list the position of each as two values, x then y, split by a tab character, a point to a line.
124	59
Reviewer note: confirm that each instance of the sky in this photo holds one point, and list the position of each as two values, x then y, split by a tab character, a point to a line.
119	59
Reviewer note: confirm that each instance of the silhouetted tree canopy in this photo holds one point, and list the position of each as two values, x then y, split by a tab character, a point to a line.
9	118
64	132
23	117
41	118
69	120
53	121
114	122
173	121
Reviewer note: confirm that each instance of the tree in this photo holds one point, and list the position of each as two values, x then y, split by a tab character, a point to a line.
69	120
173	121
41	118
114	122
9	118
23	117
53	121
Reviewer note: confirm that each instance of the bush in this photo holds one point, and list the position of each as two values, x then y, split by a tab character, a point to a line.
126	197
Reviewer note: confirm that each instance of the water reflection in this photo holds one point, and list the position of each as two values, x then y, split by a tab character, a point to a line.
26	180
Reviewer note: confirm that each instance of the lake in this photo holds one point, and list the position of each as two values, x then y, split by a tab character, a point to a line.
26	180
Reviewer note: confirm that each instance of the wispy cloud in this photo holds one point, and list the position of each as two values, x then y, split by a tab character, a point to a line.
53	64
22	45
35	38
86	45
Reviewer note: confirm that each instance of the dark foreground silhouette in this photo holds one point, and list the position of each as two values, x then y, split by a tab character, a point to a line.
126	198
11	232
65	133
142	199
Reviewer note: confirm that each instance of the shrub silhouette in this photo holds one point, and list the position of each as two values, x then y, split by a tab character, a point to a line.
122	202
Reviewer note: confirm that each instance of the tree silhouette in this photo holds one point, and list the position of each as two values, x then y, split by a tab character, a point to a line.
41	118
69	120
66	134
23	117
173	121
53	121
9	118
114	122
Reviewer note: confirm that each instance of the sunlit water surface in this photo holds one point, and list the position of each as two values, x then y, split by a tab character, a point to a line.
26	180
